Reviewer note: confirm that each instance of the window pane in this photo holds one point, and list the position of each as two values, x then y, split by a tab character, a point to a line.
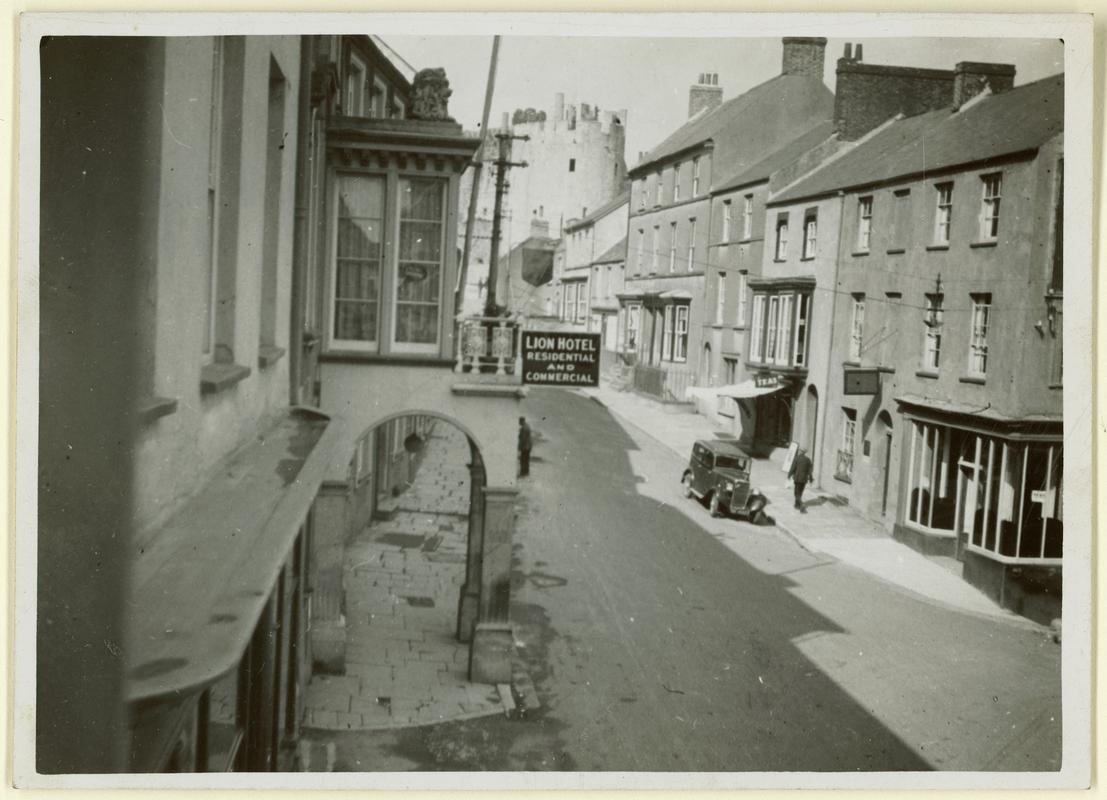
358	254
419	262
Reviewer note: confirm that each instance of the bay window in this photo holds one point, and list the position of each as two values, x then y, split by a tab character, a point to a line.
388	285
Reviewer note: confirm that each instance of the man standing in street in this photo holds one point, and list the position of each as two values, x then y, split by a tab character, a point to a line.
800	474
524	447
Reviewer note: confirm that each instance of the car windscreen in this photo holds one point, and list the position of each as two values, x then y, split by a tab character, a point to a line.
730	462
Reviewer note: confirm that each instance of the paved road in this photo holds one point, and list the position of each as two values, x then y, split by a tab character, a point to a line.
661	639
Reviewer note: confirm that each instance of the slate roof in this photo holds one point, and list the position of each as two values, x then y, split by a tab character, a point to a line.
1018	120
746	128
617	252
599	213
779	159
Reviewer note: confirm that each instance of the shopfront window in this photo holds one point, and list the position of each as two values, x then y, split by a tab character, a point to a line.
1005	496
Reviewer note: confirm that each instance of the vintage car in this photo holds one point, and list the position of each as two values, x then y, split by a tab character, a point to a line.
719	472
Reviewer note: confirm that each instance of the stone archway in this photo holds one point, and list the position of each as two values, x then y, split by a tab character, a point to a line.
480	600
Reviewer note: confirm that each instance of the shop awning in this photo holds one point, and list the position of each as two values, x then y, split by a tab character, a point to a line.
739	391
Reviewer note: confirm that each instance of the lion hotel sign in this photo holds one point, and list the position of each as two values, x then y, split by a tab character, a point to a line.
561	359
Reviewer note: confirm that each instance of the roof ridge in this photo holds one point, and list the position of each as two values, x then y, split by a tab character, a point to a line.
835	156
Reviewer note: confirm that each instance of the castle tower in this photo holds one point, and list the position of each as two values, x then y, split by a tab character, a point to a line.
576	160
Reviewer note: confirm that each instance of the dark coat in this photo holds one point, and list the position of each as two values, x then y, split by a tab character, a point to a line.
524	437
801	469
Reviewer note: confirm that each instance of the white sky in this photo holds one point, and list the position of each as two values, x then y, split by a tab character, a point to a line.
650	76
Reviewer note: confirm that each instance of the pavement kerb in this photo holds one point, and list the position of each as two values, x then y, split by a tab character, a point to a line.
1009	618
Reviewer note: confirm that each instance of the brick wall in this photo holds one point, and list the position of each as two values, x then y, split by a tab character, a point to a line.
803	55
869	94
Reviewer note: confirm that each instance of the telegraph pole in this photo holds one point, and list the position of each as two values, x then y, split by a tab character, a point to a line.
463	273
502	163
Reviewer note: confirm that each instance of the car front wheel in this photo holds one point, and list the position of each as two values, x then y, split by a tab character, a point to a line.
714	506
687	481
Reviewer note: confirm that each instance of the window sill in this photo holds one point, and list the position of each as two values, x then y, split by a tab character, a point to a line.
400	360
896	251
153	407
779	260
859	253
807	258
849	363
933	247
268	355
220	377
978	380
985	243
925	373
840	476
1055	386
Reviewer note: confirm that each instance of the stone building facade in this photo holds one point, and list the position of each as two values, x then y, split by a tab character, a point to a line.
943	294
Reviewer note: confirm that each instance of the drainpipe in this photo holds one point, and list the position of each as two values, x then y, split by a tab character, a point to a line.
818	460
300	253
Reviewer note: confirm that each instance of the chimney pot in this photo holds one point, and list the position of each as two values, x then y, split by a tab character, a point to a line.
848	54
857	53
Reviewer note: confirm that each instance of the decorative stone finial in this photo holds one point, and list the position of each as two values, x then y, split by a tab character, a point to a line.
430	93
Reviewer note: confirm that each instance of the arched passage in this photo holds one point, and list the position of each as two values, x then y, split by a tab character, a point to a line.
414	488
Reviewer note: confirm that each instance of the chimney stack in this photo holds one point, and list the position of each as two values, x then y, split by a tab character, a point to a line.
803	55
704	95
539	228
868	95
971	77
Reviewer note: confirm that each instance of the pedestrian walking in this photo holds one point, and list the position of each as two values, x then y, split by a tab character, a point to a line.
524	447
800	474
